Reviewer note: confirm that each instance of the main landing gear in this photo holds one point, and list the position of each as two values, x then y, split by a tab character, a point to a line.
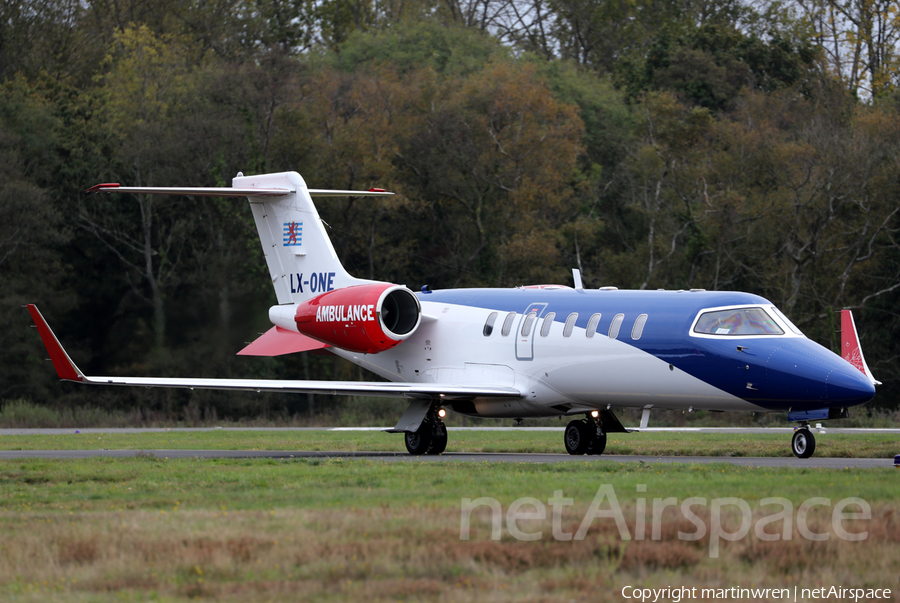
431	437
585	436
803	444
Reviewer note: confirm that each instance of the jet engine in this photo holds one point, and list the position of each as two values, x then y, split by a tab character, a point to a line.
363	318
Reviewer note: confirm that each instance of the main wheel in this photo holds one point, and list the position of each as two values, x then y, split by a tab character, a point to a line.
803	444
438	443
576	437
419	442
597	444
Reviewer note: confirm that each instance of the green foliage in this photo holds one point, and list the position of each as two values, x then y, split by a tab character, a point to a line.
711	64
650	144
449	50
608	121
33	231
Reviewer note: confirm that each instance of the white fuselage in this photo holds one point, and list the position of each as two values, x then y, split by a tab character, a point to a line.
551	371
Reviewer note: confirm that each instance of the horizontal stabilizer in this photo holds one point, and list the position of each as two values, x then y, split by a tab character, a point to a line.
372	192
278	342
190	190
223	191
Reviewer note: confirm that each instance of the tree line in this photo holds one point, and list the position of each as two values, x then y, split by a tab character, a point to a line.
649	143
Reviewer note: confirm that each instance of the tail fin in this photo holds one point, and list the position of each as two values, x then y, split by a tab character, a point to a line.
301	259
851	350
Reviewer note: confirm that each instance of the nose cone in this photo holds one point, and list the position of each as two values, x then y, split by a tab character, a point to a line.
849	386
803	371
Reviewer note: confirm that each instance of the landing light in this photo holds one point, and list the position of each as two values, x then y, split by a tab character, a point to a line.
595	413
442	413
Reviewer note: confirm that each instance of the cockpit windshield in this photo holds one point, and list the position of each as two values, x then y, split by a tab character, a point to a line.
786	321
737	321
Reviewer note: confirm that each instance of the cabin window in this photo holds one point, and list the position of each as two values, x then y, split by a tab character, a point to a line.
615	325
548	322
737	321
507	324
592	325
489	324
526	324
570	324
638	328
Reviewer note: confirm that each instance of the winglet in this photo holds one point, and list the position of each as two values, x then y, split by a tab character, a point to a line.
851	351
64	366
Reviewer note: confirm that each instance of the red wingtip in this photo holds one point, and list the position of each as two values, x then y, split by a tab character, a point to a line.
64	366
102	187
851	350
377	190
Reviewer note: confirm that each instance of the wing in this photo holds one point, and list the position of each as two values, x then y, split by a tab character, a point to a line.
67	371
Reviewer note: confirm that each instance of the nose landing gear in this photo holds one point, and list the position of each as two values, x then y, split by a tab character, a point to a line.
803	443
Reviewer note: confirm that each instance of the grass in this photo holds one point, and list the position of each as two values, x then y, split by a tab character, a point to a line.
655	444
355	411
147	528
153	483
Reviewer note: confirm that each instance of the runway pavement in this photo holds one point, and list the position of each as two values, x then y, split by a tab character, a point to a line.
452	457
815	462
734	430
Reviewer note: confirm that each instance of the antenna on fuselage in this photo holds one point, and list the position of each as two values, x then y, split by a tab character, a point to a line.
576	275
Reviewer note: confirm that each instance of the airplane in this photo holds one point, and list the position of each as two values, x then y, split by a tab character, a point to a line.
529	351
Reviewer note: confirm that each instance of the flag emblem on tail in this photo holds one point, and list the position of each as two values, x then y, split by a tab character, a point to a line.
292	235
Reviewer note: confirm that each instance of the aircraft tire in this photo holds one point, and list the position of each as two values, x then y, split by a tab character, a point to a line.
576	437
438	444
419	442
597	444
803	444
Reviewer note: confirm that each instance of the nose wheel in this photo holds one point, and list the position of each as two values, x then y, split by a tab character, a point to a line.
803	444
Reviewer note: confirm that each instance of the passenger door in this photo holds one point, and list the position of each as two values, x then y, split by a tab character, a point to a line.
526	329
